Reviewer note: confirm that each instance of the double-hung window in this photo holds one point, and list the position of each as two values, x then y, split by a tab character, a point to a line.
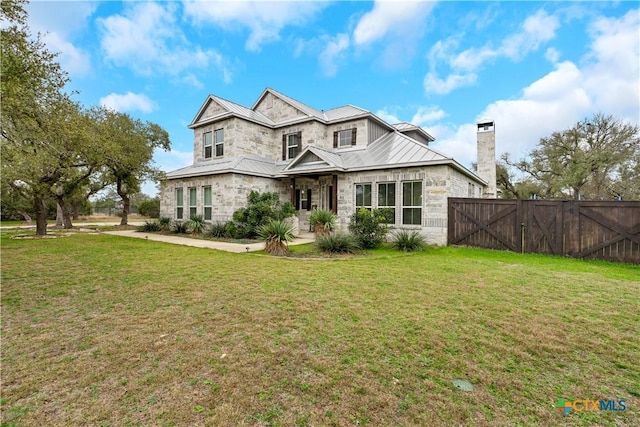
211	139
387	200
363	196
192	201
207	142
291	145
179	203
219	140
412	203
207	203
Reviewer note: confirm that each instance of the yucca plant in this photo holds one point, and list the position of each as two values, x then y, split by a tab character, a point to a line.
276	235
408	241
338	242
218	230
165	223
323	222
180	227
149	227
197	224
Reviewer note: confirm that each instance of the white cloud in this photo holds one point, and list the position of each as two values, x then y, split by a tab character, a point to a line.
434	84
536	30
401	18
264	19
60	22
606	82
332	53
128	102
388	116
552	55
426	115
147	38
73	60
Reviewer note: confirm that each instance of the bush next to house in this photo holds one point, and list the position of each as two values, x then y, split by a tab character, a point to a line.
277	235
180	227
368	227
165	223
322	221
338	242
149	227
261	209
197	224
218	230
404	240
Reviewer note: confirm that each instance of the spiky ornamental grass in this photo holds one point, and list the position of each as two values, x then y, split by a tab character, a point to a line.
197	224
407	241
323	221
338	242
276	235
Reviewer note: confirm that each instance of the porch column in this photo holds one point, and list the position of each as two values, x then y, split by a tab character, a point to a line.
334	195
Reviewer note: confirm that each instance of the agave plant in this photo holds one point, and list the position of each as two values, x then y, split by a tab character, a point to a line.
323	222
197	224
276	235
338	242
165	223
149	227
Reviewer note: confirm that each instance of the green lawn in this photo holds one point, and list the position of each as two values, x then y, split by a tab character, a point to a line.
110	331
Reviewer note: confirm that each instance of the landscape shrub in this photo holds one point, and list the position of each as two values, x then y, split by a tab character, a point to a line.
197	224
180	227
149	227
323	221
368	227
150	207
218	230
404	240
277	235
338	242
165	223
261	209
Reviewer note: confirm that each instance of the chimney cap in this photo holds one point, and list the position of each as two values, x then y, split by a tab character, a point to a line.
485	125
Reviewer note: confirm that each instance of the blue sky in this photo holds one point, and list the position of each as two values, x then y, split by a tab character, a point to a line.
532	67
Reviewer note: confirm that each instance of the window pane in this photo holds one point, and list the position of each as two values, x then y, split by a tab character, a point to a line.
192	212
179	213
416	200
344	136
367	195
179	197
406	194
207	213
192	197
207	139
359	196
207	196
219	136
412	216
219	150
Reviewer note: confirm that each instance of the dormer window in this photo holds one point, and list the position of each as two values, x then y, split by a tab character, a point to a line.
344	138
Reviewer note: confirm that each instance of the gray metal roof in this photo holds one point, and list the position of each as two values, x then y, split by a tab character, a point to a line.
233	109
343	112
245	164
309	111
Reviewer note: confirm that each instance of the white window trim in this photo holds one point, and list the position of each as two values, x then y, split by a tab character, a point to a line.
403	206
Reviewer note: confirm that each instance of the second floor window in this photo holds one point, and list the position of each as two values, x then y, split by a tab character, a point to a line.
211	139
344	138
291	145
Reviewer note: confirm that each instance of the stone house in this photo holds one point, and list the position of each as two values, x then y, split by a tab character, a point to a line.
341	159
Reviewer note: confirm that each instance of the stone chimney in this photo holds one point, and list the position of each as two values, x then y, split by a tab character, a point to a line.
487	157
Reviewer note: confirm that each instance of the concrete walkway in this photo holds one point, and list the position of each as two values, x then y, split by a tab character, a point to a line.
201	243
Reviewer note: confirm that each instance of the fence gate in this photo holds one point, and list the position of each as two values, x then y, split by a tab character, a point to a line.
583	229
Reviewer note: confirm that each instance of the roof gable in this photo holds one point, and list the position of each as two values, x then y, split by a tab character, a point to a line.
215	108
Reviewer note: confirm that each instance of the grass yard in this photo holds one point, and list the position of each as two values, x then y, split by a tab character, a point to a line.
110	331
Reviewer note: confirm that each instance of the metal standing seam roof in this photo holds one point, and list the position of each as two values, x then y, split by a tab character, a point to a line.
246	164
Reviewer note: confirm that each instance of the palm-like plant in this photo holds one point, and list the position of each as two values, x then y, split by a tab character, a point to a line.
276	235
197	224
165	223
323	222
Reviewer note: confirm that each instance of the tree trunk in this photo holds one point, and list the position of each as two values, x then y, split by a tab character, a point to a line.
76	212
126	202
40	207
66	218
25	215
59	220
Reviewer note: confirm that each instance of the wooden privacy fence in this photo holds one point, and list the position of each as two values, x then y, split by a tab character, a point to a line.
606	230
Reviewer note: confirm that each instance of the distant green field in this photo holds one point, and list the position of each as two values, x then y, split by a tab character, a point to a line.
109	331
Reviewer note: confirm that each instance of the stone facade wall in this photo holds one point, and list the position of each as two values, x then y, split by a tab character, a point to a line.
229	193
276	109
361	134
487	157
438	183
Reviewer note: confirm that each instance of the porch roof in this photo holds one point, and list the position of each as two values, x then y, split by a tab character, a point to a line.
245	164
